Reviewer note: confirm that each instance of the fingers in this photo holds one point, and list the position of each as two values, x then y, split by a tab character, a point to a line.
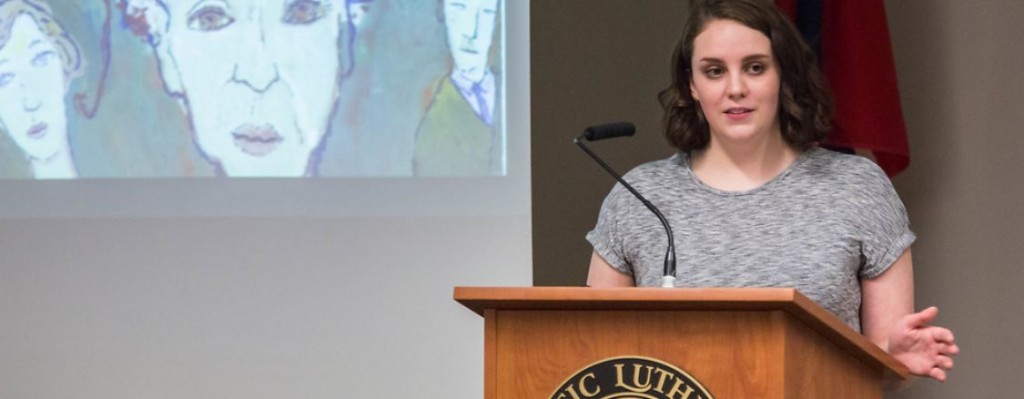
923	365
944	341
921	318
944	362
945	348
927	350
941	366
948	350
951	350
940	334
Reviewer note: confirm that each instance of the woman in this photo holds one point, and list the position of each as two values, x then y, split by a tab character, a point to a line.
753	199
259	104
38	61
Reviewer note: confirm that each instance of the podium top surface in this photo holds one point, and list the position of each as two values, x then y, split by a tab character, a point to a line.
788	300
478	299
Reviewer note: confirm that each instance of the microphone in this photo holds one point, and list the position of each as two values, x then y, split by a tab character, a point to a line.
620	129
609	131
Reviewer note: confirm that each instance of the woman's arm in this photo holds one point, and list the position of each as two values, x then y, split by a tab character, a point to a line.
887	319
604	275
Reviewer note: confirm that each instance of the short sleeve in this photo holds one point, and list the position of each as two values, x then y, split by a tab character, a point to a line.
883	220
606	237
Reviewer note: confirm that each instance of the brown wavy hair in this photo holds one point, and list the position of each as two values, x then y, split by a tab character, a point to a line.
805	103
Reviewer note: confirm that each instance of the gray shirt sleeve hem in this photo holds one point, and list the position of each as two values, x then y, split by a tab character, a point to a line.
895	250
604	250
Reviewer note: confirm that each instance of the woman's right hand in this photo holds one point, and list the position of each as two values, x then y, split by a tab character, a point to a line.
926	350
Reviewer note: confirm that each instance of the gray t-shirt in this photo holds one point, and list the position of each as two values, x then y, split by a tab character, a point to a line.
822	225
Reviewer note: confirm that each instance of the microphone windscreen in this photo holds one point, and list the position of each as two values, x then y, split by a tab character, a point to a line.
608	131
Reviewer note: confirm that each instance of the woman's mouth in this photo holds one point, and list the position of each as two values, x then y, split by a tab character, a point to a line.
256	140
37	131
738	113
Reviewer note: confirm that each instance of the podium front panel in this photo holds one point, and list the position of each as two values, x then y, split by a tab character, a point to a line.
538	350
733	354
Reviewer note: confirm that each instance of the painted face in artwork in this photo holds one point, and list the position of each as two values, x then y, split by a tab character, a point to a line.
258	78
736	80
470	29
32	89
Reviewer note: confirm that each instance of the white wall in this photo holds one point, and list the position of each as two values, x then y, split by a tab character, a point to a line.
248	307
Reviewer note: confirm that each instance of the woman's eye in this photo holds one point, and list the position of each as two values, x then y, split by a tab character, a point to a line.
713	72
43	59
756	69
5	79
209	19
303	12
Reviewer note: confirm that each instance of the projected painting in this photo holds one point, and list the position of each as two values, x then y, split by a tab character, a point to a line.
251	88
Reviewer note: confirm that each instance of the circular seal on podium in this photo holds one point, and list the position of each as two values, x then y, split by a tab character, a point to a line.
631	377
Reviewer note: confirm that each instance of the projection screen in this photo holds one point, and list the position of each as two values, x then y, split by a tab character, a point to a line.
257	198
162	88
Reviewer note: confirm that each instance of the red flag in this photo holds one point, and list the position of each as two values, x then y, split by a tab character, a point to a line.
856	58
788	7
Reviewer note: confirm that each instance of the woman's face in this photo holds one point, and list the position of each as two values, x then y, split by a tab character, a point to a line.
736	80
259	77
32	91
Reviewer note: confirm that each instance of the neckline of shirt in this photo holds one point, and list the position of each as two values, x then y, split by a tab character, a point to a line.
685	163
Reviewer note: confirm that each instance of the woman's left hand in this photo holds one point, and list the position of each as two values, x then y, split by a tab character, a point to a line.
926	350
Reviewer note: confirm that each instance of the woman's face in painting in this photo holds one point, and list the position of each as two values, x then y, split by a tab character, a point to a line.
32	89
259	78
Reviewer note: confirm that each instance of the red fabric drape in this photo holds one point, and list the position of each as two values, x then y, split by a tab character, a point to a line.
857	59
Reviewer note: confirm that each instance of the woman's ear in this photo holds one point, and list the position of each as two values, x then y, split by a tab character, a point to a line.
693	90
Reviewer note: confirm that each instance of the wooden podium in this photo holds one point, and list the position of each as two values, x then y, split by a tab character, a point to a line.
735	343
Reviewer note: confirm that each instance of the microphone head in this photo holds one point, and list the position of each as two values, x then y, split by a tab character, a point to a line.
608	131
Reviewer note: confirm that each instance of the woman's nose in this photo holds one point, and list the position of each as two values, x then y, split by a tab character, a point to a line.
737	87
31	101
257	68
